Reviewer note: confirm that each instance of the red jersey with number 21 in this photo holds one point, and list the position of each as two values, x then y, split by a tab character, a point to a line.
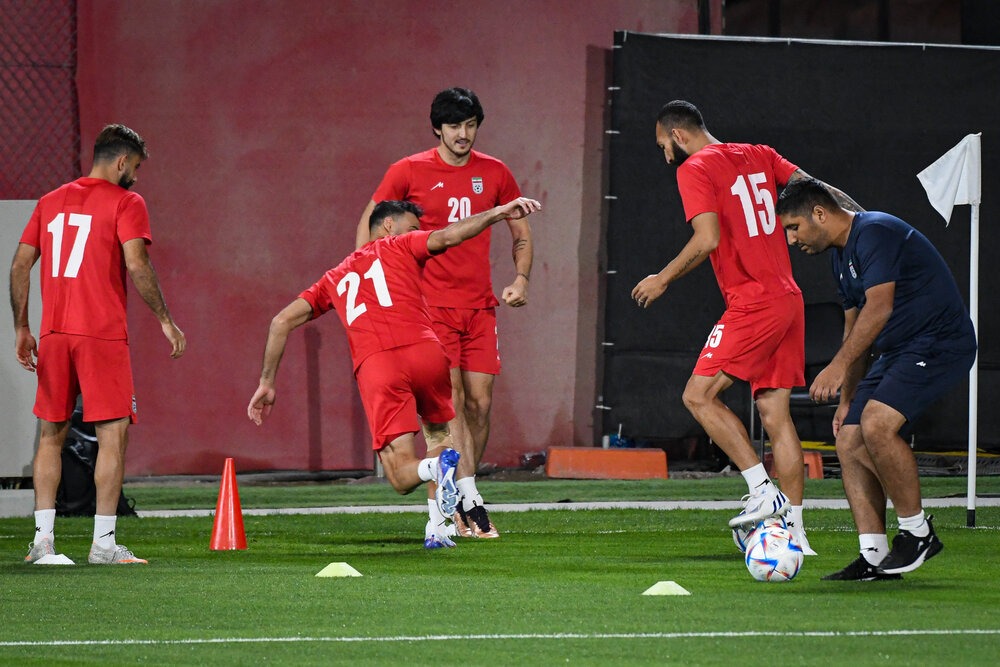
738	183
459	278
79	230
376	293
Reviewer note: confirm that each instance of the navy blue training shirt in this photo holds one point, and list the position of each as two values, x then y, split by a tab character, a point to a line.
927	308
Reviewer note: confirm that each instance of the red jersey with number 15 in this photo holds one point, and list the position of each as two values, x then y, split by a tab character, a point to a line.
376	293
79	230
459	278
738	183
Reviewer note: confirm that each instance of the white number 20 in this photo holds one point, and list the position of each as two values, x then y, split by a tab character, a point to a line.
460	208
351	281
56	227
761	196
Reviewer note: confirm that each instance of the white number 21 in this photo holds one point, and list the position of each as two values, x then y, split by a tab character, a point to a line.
762	196
82	223
351	281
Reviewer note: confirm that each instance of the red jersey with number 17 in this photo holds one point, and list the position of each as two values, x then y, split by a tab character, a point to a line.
79	230
376	293
459	278
738	183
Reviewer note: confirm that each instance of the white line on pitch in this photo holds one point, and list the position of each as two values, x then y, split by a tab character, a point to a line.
557	635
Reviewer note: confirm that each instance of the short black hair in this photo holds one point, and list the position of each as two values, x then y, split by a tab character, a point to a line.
391	208
453	106
117	140
801	196
679	113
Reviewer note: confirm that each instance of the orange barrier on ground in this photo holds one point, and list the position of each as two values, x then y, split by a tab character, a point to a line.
812	460
595	463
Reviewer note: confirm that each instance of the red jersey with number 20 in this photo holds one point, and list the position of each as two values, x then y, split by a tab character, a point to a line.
376	293
738	183
459	278
79	230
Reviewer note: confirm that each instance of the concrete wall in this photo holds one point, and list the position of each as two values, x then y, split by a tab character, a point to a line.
269	126
18	427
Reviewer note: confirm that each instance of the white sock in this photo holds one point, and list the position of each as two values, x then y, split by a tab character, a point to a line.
427	469
915	524
756	477
104	531
437	520
45	521
469	492
874	547
794	517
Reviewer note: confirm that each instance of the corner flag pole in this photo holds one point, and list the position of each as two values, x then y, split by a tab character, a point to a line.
956	178
970	507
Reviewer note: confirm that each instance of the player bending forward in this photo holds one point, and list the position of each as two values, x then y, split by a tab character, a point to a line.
400	365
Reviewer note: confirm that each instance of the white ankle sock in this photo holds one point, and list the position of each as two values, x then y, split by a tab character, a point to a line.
427	469
874	547
45	521
104	531
437	519
756	477
916	524
470	494
794	517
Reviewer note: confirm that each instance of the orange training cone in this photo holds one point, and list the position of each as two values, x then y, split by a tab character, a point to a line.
227	533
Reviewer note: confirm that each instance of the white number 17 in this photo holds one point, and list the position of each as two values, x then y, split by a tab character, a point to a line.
82	223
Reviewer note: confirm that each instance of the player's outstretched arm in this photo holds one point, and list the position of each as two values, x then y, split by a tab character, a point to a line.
839	196
25	346
363	234
293	315
516	294
140	269
466	228
704	240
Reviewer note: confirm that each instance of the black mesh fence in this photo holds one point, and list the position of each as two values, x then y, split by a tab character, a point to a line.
39	119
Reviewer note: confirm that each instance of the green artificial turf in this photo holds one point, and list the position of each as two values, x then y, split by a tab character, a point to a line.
557	586
155	496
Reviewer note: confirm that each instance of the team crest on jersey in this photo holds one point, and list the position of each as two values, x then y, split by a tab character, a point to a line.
477	185
850	265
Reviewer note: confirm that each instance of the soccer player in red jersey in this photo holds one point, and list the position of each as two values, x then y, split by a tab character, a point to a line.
400	365
729	193
88	233
449	182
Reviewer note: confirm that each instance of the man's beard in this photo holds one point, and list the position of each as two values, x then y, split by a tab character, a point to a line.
679	153
126	182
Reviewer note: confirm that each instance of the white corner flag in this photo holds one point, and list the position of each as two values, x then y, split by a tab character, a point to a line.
956	178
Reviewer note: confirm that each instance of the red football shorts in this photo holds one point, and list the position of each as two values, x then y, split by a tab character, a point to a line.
98	369
469	336
399	384
763	343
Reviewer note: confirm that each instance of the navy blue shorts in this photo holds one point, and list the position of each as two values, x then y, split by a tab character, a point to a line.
909	381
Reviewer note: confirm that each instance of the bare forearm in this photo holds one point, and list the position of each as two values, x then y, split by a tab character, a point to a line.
277	338
466	228
693	254
19	287
871	320
842	198
148	285
522	253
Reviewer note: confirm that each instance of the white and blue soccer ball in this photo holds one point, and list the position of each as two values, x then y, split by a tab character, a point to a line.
741	534
772	554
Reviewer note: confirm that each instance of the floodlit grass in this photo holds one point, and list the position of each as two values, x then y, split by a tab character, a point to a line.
579	573
542	491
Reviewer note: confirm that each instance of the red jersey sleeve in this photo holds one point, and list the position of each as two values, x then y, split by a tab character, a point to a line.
783	169
133	219
32	232
697	191
416	243
319	296
395	185
508	187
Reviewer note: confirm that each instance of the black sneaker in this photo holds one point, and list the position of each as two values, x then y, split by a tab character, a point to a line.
480	523
859	570
909	551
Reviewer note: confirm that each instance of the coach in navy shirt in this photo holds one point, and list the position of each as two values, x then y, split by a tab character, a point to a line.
900	297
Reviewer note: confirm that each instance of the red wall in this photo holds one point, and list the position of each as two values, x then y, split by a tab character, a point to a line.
270	124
